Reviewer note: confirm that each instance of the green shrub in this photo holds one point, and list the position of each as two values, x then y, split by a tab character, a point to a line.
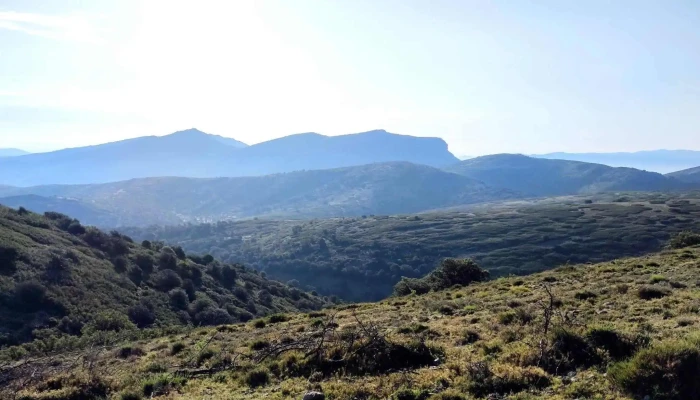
684	239
665	371
568	351
259	324
276	318
649	292
408	394
177	348
505	379
257	378
130	396
585	295
619	346
259	345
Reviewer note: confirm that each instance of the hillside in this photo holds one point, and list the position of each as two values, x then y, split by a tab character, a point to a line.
624	329
12	152
662	161
62	283
75	208
387	188
542	177
360	259
691	175
195	154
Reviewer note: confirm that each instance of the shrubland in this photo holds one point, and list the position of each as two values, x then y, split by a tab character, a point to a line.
574	332
361	259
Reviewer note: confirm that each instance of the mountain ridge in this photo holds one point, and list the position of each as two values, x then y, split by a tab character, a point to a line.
550	177
195	154
661	160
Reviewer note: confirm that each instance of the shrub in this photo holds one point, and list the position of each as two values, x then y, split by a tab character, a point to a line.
111	321
684	239
205	355
568	351
619	346
8	259
228	277
30	296
179	299
128	351
145	262
213	316
666	371
407	394
585	295
259	324
121	264
257	378
505	379
259	345
130	396
166	280
648	292
141	316
276	318
177	348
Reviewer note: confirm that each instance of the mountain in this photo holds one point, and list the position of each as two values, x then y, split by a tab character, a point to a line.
195	154
662	161
361	259
544	177
691	175
60	280
616	330
383	188
12	152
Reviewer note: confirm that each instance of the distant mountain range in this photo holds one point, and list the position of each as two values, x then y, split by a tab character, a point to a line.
544	177
662	161
690	175
12	152
384	188
195	154
380	188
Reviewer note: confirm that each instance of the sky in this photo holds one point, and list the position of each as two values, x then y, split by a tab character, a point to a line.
487	76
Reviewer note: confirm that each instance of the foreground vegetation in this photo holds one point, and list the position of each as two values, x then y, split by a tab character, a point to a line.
361	259
622	329
64	285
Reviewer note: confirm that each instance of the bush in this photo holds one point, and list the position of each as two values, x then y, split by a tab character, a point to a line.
649	292
259	345
666	371
8	259
451	272
177	348
259	324
407	394
276	318
141	316
569	351
111	321
257	378
213	316
166	280
30	296
505	379
145	262
179	299
585	295
684	239
619	346
130	396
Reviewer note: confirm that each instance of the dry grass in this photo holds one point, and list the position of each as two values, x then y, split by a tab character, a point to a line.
492	340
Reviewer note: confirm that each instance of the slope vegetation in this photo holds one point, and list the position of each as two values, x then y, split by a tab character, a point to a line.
61	282
543	177
195	154
385	188
691	175
624	329
361	259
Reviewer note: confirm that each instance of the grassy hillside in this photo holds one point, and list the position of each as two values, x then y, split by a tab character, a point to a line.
62	284
386	188
361	259
623	329
544	177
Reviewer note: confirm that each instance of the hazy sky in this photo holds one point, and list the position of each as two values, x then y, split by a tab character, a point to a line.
487	76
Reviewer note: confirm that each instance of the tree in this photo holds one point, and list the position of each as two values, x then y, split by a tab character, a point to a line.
8	259
228	276
30	295
179	299
166	280
453	271
141	316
